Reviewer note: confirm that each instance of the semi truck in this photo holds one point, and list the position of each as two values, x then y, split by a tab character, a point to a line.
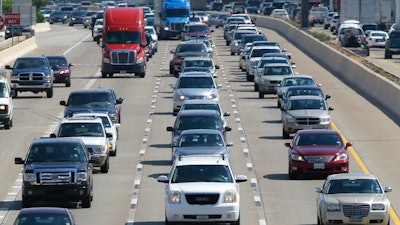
170	17
381	12
123	42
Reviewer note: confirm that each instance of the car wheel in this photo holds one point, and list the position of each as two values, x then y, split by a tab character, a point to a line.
278	104
49	93
68	84
232	53
260	95
114	153
388	55
104	168
110	75
255	87
141	74
26	203
11	123
86	201
285	134
15	94
7	125
103	75
237	222
248	77
168	223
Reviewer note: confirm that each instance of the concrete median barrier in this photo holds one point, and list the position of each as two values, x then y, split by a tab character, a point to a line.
377	89
22	48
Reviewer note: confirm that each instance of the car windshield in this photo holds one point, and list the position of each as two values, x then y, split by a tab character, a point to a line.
90	100
300	104
352	186
201	106
198	63
277	70
293	81
127	37
248	39
57	61
262	51
318	139
42	218
81	129
55	152
31	64
262	62
176	13
191	48
202	173
197	29
195	69
198	122
196	82
201	140
304	91
3	91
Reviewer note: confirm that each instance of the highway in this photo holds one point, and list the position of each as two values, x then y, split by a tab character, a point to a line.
130	193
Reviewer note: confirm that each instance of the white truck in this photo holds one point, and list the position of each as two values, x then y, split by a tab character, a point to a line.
381	12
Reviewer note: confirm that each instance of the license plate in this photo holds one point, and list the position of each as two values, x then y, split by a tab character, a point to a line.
380	40
202	217
356	219
122	71
319	166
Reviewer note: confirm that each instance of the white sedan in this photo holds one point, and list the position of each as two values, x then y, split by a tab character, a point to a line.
376	38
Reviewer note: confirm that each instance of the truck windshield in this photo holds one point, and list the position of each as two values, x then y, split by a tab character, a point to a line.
177	13
116	37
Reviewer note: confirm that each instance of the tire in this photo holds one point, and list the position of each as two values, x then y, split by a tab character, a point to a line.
256	87
388	55
114	153
49	93
167	222
232	53
15	94
285	134
26	203
237	222
319	222
86	201
68	84
141	74
110	75
103	75
260	95
8	124
104	168
278	104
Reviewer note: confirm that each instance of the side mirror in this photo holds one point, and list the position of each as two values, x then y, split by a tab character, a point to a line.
163	179
8	67
63	103
70	64
227	113
349	144
330	108
287	144
18	160
119	100
217	67
172	51
228	128
229	144
170	129
327	97
53	135
318	190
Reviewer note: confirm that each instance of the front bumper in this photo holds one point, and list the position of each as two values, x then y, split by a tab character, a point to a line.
379	217
71	192
294	127
134	68
301	167
100	159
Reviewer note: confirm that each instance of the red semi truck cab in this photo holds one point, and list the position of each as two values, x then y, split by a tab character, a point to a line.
124	42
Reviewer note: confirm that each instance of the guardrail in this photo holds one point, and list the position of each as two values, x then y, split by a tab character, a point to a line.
380	91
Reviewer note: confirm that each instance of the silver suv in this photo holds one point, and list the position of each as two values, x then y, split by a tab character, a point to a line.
202	188
305	112
6	103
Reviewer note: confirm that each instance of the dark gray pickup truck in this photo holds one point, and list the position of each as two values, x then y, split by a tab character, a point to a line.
392	45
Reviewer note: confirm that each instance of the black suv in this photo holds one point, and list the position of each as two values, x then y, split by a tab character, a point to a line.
94	100
31	73
57	168
18	30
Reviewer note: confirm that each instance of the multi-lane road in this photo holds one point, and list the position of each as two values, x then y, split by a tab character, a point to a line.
129	193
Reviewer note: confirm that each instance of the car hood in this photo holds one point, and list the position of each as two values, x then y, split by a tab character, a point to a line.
190	54
55	165
202	187
307	113
69	111
200	150
195	91
351	198
318	150
272	77
91	141
198	33
29	70
4	101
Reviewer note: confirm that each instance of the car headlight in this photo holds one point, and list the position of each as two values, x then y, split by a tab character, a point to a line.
166	28
181	97
4	108
174	197
106	60
342	156
113	117
296	157
139	60
333	207
325	119
378	206
213	96
290	119
82	176
64	71
29	177
230	196
236	44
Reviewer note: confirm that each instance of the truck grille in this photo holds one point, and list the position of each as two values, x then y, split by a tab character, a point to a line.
202	199
177	26
319	158
350	210
56	176
31	76
123	57
307	121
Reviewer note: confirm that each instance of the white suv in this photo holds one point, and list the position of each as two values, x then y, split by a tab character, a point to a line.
202	188
6	104
92	132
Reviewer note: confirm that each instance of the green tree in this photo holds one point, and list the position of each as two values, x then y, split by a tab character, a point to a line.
7	6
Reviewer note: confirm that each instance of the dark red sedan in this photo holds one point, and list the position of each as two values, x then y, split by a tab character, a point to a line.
61	69
317	152
45	215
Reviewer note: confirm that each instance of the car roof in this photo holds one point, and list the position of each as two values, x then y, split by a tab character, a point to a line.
198	112
200	101
56	140
306	97
88	119
276	64
317	131
266	47
297	87
200	131
92	90
197	58
351	176
195	74
40	210
298	75
201	160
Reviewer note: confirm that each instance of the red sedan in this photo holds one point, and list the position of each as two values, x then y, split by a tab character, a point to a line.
317	152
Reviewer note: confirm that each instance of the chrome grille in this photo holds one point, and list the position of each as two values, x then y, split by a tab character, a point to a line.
319	158
350	210
307	121
177	26
197	97
122	57
202	199
55	176
31	76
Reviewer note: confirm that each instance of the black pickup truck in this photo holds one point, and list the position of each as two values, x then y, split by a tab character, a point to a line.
57	169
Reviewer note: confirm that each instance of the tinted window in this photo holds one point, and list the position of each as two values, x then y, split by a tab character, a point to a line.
115	37
53	152
318	139
202	173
